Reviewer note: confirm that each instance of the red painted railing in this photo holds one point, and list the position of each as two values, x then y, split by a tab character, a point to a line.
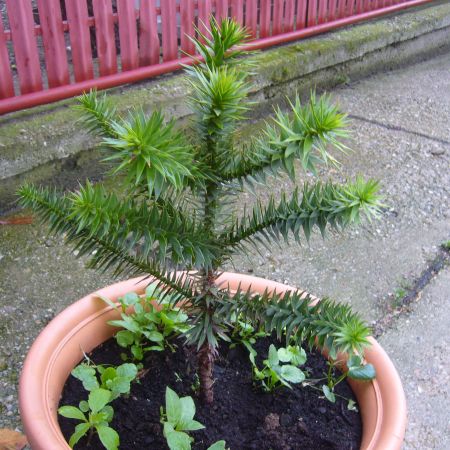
55	49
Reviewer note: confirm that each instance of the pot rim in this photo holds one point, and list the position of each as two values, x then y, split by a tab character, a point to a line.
45	370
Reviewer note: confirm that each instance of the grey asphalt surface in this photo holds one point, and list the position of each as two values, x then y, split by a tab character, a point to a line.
401	135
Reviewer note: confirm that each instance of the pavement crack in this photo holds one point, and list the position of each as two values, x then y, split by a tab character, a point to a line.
414	292
398	128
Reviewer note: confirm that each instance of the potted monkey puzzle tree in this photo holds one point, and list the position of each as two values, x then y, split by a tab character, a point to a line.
178	220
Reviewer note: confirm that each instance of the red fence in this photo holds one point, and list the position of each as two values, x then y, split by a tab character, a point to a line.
54	49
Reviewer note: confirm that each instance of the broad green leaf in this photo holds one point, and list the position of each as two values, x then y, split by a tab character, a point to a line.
71	412
130	299
84	406
154	348
284	355
187	413
173	406
138	308
127	322
219	445
193	425
154	336
128	371
136	350
108	437
329	395
298	355
87	375
119	385
366	372
108	375
99	418
80	430
98	398
292	374
167	428
125	338
153	317
354	361
108	411
177	440
273	356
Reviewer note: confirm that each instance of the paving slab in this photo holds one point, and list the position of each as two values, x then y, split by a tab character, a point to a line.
418	343
39	277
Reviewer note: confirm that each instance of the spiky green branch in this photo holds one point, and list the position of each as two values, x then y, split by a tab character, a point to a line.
105	250
304	133
319	205
328	324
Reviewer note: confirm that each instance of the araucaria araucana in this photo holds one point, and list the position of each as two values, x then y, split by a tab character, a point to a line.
178	209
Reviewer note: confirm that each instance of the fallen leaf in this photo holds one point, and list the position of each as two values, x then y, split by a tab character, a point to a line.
24	220
12	440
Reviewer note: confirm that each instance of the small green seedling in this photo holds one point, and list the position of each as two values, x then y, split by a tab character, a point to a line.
147	328
195	386
115	379
95	416
356	370
246	335
178	419
274	374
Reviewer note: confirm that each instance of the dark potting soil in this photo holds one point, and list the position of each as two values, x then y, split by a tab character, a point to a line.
242	415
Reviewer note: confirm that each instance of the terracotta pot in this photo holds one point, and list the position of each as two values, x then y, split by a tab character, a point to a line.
82	327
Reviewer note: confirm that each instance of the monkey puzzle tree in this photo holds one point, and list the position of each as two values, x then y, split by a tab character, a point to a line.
179	208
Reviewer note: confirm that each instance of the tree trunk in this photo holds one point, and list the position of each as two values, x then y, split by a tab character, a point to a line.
205	373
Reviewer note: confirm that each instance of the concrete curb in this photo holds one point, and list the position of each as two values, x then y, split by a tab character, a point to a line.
45	145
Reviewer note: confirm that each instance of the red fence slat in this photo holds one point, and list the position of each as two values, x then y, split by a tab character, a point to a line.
26	53
6	84
289	16
251	16
149	45
169	29
264	21
277	20
204	13
54	44
80	39
312	12
359	6
342	8
301	14
221	9
129	55
105	37
322	13
237	10
187	13
331	13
